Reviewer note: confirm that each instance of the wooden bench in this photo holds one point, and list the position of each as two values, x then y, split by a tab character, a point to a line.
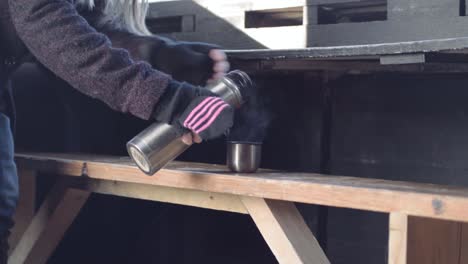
268	197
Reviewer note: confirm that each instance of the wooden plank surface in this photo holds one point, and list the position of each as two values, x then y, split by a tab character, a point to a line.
398	238
434	241
367	194
285	231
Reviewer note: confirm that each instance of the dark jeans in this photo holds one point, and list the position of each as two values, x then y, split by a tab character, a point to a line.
9	189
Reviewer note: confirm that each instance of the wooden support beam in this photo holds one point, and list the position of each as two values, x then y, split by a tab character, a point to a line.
285	231
207	200
49	225
398	238
26	205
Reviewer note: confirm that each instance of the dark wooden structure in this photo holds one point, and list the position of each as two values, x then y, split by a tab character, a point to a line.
246	24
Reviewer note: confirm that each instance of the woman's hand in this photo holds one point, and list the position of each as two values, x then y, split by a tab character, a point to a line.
193	62
220	64
191	138
194	109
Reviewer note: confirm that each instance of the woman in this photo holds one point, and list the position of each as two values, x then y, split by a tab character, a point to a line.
57	36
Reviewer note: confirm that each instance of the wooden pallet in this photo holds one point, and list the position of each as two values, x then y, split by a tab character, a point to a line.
268	197
292	24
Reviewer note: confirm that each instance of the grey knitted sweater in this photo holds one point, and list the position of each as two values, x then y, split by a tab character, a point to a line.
59	38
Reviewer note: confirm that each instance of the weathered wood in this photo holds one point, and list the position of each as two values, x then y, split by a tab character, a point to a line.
58	224
289	16
381	32
464	244
453	45
347	66
310	15
403	59
285	231
396	21
49	225
434	241
207	200
398	238
26	205
425	200
37	224
399	9
229	22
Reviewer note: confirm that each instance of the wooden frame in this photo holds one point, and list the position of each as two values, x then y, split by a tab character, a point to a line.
267	196
280	222
26	205
49	225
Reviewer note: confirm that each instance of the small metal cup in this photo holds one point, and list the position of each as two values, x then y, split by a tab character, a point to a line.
244	157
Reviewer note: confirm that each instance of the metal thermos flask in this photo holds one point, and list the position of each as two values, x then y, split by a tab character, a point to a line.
160	143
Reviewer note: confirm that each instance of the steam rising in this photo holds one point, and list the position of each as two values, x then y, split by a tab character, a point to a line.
251	120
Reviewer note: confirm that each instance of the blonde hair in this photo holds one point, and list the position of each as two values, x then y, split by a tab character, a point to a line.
129	15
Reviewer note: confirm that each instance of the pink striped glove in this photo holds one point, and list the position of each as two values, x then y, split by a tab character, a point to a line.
192	108
207	116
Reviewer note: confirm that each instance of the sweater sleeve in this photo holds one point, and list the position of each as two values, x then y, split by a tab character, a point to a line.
139	47
65	43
